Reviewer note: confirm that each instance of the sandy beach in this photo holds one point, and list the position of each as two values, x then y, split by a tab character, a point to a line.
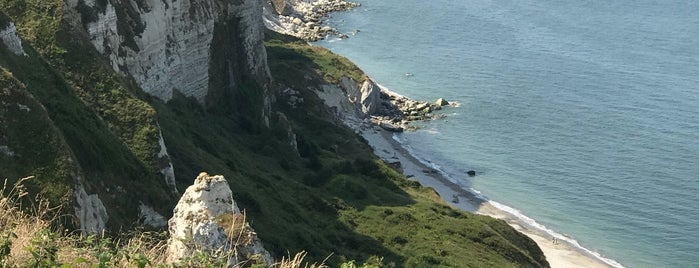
561	254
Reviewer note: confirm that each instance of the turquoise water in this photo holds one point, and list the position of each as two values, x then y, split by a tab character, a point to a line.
583	115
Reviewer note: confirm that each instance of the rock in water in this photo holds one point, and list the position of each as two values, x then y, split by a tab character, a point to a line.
441	102
471	173
207	219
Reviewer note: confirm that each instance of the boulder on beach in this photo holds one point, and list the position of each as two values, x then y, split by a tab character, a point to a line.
390	127
396	165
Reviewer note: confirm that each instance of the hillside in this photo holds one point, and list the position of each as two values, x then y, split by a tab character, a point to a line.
103	136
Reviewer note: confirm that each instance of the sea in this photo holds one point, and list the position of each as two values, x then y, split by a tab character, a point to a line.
581	115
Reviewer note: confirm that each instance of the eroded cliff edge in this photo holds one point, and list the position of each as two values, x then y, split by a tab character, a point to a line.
169	46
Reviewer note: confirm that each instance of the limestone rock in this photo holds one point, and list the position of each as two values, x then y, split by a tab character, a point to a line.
421	106
282	7
367	95
90	211
207	219
172	51
441	102
150	217
165	164
371	97
284	123
9	37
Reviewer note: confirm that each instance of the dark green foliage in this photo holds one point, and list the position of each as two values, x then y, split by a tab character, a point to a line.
37	148
129	24
6	245
4	21
96	116
88	14
44	249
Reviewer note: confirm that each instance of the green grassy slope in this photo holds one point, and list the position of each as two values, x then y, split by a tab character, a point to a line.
108	127
33	144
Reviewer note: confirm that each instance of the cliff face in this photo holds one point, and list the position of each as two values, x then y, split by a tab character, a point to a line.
166	45
210	50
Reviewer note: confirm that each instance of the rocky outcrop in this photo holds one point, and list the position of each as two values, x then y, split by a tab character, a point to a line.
165	164
356	103
166	45
285	125
208	219
9	37
303	18
367	95
90	211
441	102
150	217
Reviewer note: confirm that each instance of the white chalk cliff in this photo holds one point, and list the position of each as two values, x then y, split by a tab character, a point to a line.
172	48
207	219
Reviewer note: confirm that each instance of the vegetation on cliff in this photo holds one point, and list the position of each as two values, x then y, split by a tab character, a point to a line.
109	132
323	191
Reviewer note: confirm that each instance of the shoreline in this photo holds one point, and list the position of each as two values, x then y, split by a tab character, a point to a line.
565	253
